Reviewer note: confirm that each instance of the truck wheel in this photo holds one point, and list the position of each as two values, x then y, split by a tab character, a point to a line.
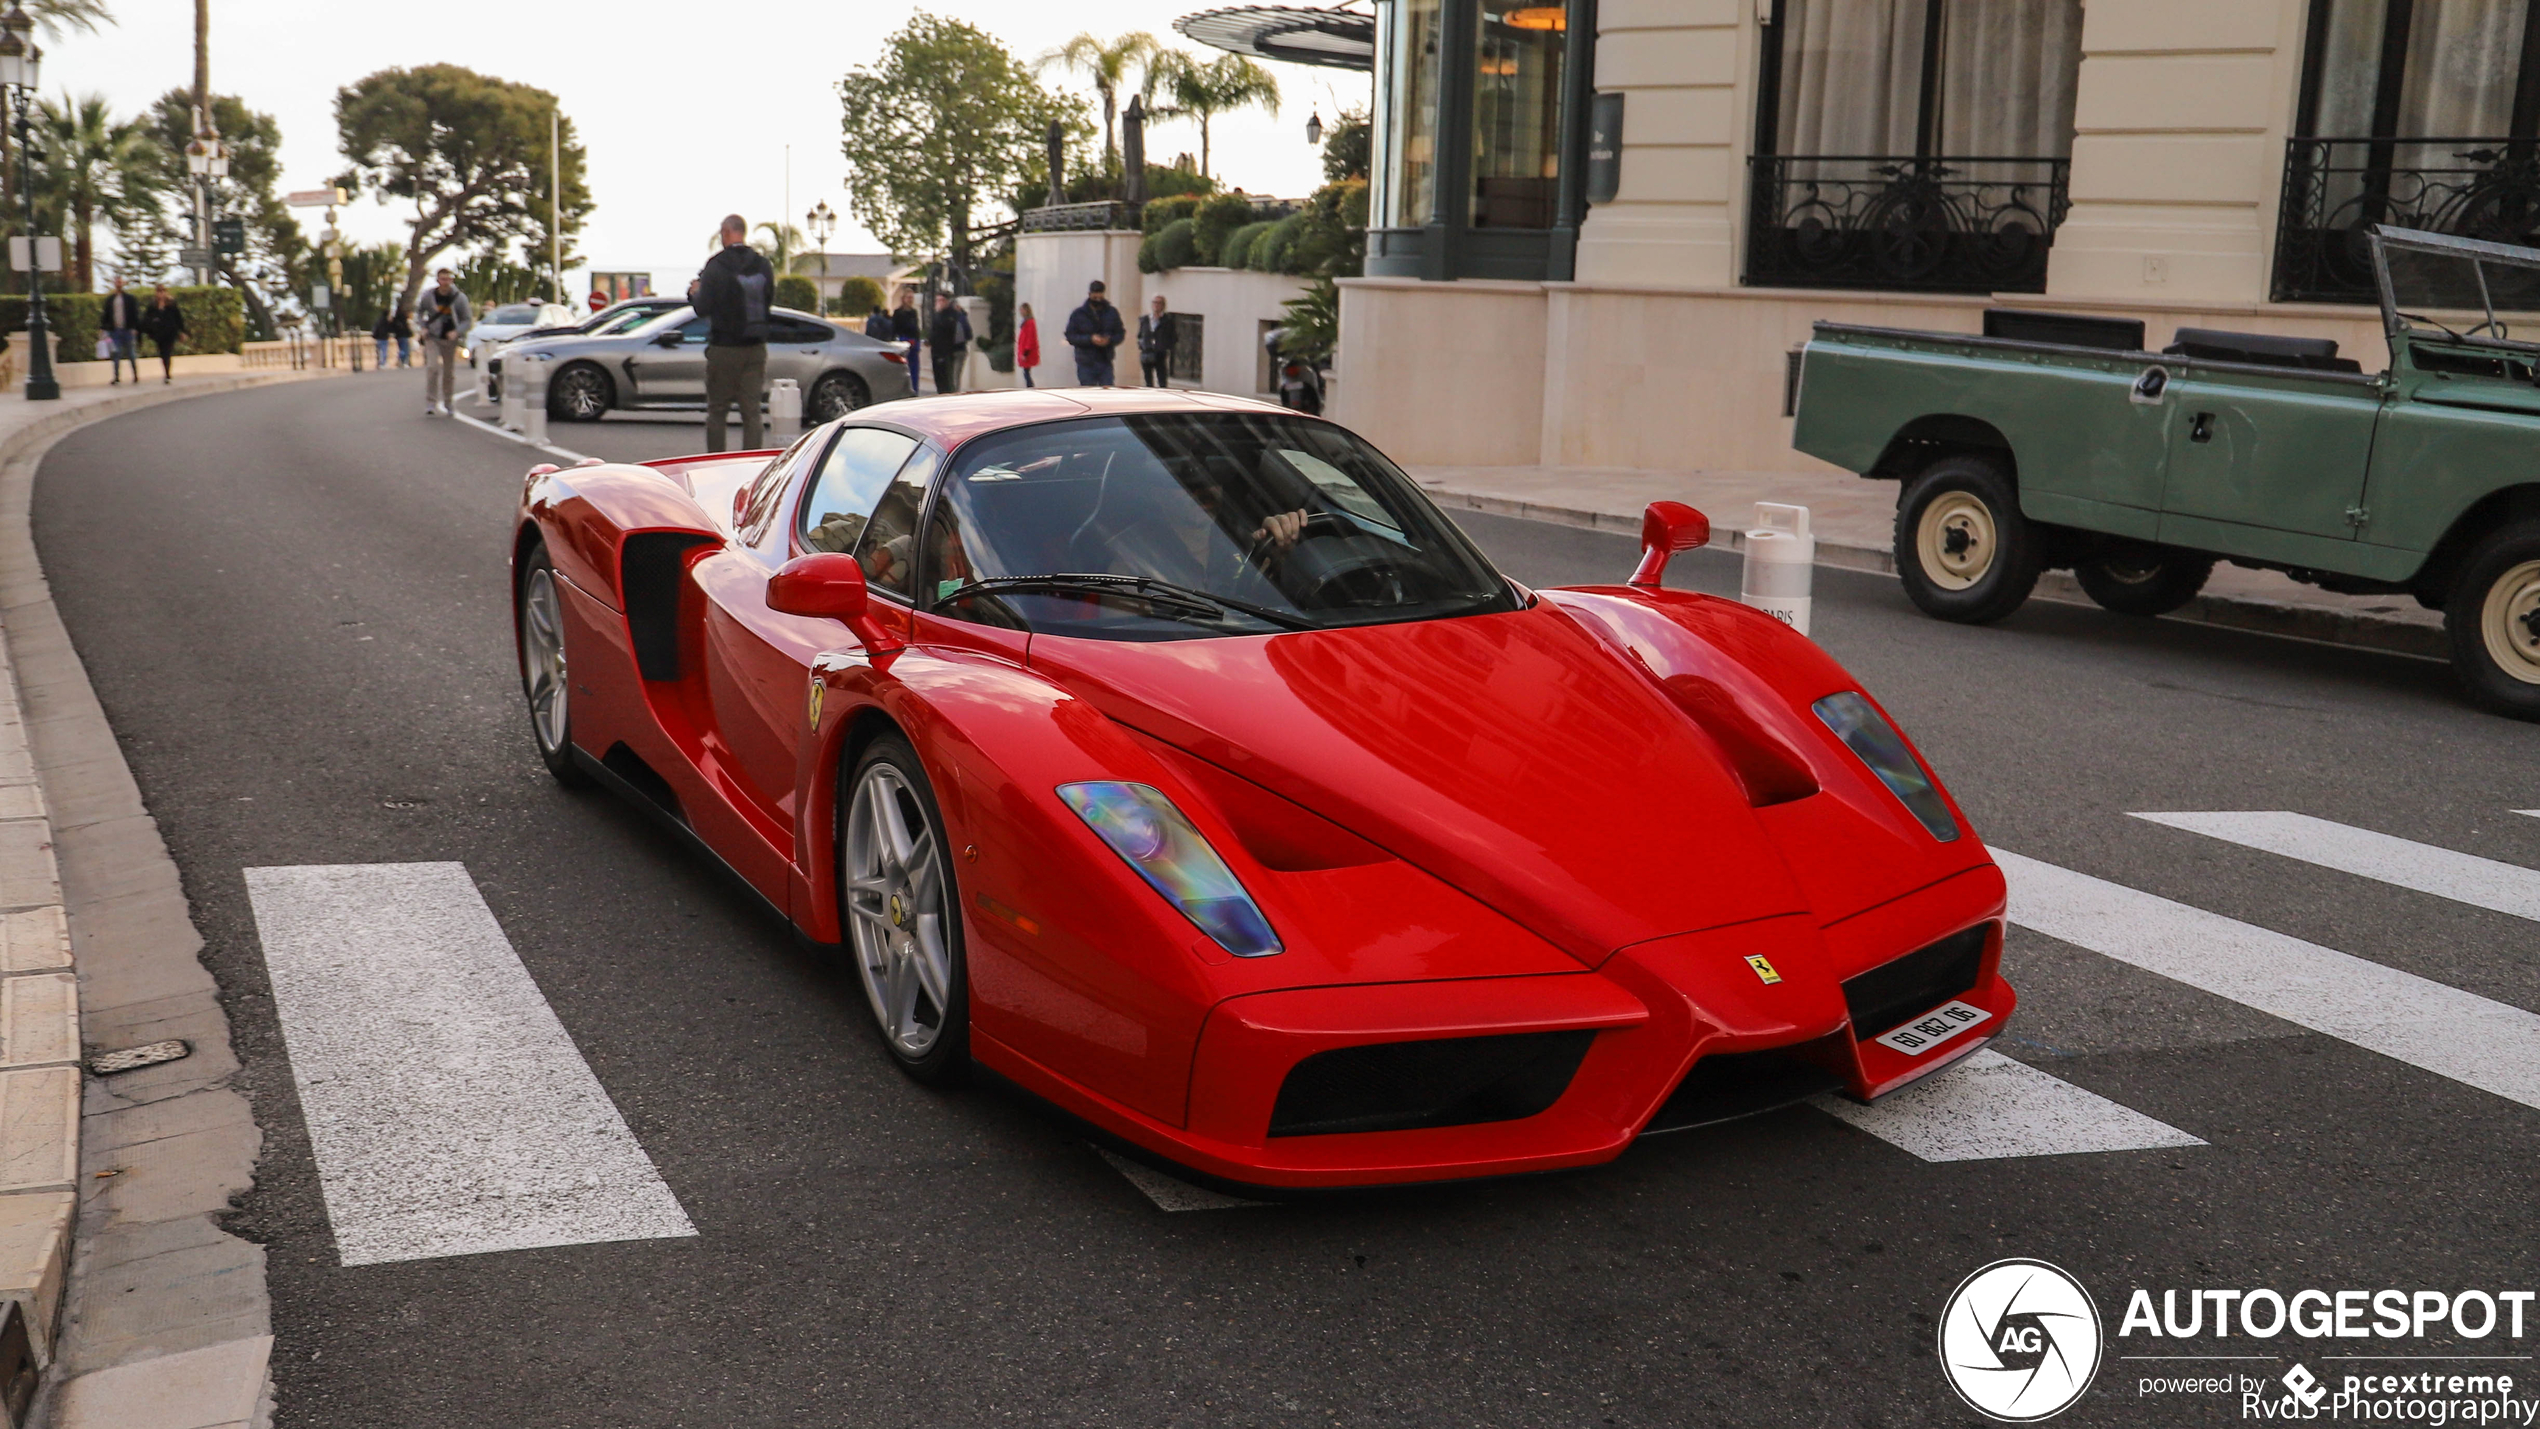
1963	549
2143	580
2493	618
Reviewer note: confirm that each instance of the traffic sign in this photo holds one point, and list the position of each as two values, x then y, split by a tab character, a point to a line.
194	257
43	253
229	235
315	198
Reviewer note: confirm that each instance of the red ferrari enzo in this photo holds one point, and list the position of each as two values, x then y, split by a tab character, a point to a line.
1172	756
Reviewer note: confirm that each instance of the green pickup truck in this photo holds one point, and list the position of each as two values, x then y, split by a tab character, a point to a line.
2057	440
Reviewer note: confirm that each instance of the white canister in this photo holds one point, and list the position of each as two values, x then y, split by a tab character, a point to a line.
784	410
1781	562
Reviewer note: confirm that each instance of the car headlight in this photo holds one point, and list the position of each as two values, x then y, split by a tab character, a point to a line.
1867	733
1153	837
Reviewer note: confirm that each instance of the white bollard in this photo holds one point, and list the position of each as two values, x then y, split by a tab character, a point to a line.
784	411
534	372
511	417
1781	563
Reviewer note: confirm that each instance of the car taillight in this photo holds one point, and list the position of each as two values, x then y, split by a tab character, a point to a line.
894	357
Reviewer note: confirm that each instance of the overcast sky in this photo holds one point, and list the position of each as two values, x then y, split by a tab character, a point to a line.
686	108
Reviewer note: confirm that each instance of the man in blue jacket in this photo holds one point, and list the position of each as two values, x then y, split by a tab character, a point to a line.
1095	331
733	293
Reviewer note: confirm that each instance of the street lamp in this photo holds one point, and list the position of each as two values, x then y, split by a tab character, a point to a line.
1314	127
822	221
19	62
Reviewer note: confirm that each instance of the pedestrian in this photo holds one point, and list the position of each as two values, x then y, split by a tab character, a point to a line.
877	324
401	326
1156	334
380	332
904	327
163	322
446	320
1095	331
1027	342
122	322
734	291
950	337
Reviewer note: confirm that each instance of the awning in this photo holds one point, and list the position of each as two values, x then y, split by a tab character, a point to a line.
1334	39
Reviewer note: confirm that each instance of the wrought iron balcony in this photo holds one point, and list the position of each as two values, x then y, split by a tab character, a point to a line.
1937	225
2335	190
1078	217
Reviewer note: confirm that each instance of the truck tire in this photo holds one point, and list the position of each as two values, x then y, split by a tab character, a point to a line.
1963	549
2493	619
2143	580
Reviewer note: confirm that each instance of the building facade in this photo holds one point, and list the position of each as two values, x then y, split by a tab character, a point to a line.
1601	227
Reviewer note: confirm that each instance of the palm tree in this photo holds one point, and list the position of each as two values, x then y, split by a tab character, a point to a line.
781	241
96	167
55	18
1106	63
1204	91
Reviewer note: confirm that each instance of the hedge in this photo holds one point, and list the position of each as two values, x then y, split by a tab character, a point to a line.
215	320
857	297
1161	212
1237	252
798	292
1169	247
1218	217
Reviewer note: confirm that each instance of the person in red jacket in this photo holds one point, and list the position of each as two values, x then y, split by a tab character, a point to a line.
1027	342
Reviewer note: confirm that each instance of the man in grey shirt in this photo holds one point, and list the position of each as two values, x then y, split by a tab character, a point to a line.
442	318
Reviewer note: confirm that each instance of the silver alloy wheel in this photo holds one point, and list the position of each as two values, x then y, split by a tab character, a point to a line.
895	897
542	654
582	394
2510	621
1955	540
832	397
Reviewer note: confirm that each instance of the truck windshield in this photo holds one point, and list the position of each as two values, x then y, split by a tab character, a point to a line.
2464	289
1173	526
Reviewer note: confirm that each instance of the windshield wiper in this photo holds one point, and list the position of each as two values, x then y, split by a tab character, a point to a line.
1156	592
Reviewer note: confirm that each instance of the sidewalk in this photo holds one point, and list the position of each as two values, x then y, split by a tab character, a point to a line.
140	1312
1854	519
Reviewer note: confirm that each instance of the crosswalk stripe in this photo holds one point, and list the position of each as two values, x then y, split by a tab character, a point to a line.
1990	1106
2461	877
2489	1045
449	1111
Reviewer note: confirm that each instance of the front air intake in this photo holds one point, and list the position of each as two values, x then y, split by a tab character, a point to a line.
1408	1086
1894	993
1727	1085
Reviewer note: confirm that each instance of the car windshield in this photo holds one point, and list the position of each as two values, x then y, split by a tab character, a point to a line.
1169	526
613	323
513	313
2465	288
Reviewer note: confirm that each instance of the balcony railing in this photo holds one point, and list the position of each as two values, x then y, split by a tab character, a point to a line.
1936	225
2335	190
1077	217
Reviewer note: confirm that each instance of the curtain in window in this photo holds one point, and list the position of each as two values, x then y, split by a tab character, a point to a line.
1851	77
2463	59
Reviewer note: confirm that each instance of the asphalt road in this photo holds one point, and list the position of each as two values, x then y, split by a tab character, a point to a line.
292	602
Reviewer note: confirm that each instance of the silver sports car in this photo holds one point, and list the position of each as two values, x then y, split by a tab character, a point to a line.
661	362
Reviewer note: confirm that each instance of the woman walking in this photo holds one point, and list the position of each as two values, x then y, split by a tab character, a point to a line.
1027	342
163	323
397	324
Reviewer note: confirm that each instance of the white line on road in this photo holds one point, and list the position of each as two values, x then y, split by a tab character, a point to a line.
449	1111
2456	1034
1169	1193
2461	877
1989	1106
550	448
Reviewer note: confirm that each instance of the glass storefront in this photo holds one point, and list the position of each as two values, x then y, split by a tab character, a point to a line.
1411	112
1517	116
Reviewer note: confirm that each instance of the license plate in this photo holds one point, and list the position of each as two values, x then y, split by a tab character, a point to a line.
1933	1028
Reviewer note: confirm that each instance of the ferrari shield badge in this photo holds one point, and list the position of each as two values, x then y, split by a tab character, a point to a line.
1763	965
816	688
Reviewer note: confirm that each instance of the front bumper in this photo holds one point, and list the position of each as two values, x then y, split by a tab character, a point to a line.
1650	1017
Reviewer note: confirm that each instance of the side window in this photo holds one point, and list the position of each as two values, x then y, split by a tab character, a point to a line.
887	549
850	481
787	329
694	331
767	491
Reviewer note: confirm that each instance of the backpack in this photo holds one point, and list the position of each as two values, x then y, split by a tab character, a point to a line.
961	325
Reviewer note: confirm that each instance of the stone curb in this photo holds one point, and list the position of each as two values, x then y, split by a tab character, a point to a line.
2266	617
79	860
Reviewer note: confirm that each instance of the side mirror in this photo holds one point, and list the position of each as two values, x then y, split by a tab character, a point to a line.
829	585
668	339
1666	528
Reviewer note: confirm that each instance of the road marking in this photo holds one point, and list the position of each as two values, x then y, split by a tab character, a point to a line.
2461	877
2529	813
449	1111
1989	1106
1171	1194
2451	1033
507	434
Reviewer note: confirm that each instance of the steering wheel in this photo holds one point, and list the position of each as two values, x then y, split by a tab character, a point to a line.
1318	523
1370	575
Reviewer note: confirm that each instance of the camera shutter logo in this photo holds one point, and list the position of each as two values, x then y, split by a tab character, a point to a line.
2019	1341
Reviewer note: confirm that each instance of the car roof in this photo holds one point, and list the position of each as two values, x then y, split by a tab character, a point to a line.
954	420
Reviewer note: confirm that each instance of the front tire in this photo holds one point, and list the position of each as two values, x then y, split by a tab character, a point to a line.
580	393
1963	550
2143	580
2493	619
544	678
903	912
834	396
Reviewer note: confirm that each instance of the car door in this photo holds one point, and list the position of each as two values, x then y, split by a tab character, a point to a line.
675	371
796	349
758	661
2267	461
